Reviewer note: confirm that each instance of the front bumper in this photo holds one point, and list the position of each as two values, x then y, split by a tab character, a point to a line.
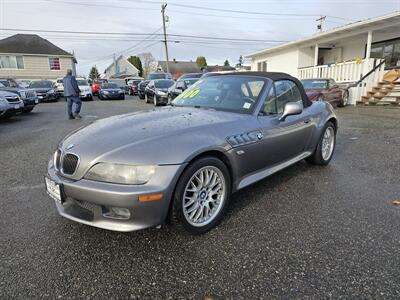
48	97
112	96
87	96
88	201
28	103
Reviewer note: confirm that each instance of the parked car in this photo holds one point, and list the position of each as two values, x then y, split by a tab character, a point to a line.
157	91
10	104
190	75
184	161
142	88
45	90
132	86
96	85
85	88
111	91
28	96
326	89
23	83
180	86
59	87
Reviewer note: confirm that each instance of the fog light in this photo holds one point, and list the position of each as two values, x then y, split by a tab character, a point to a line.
117	213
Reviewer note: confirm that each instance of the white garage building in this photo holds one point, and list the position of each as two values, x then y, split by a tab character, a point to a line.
347	54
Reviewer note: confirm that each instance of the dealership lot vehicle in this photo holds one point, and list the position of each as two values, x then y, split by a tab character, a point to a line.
10	104
96	85
132	86
28	96
85	88
142	88
299	227
59	87
157	91
326	89
111	91
45	90
138	171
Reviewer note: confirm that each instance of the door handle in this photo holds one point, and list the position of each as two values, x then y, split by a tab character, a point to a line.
306	121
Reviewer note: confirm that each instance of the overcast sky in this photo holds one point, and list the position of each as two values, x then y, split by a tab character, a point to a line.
134	16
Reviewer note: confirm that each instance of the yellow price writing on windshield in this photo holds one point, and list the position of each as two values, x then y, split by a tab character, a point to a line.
188	94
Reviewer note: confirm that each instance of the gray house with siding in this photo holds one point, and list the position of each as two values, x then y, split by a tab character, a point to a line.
29	56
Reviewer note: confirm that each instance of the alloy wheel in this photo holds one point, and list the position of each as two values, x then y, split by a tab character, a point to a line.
328	143
204	196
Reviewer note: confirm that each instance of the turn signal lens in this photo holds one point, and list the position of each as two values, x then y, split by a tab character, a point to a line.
152	197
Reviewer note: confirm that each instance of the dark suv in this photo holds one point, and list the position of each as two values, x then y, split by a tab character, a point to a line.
27	95
152	76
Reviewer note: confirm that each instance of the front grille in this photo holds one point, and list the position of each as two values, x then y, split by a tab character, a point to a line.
69	163
12	99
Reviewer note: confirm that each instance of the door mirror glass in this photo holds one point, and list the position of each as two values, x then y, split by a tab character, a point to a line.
291	109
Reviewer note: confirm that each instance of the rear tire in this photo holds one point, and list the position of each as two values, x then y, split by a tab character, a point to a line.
326	146
200	201
146	98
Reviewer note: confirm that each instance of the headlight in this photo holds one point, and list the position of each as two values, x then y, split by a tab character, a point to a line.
122	174
105	92
50	92
161	93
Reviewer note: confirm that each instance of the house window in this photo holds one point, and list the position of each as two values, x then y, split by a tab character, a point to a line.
54	63
262	66
389	50
11	62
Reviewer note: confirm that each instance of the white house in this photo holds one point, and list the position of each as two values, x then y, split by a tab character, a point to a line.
29	56
121	68
347	54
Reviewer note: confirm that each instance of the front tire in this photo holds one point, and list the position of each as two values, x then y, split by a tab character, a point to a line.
146	99
326	146
155	100
345	100
201	196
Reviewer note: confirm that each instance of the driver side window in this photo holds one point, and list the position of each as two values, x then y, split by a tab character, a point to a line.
282	92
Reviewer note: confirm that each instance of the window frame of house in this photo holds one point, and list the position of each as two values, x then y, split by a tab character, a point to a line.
262	66
382	45
59	63
16	62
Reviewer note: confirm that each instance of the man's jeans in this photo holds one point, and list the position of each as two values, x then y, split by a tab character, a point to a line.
78	104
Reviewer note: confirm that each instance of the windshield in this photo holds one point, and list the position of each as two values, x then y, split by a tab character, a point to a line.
2	85
230	93
9	83
163	84
158	76
110	86
41	84
191	75
82	82
314	84
190	82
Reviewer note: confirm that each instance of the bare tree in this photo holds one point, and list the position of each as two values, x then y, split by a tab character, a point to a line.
149	63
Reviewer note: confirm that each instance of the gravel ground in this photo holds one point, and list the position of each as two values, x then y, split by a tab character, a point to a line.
306	232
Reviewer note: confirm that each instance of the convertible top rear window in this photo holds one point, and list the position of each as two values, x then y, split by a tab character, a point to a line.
231	93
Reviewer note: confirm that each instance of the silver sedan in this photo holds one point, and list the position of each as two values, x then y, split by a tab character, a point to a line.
182	162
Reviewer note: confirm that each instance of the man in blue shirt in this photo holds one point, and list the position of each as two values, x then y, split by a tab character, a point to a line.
71	92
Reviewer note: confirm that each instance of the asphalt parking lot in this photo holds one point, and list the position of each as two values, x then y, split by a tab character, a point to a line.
306	232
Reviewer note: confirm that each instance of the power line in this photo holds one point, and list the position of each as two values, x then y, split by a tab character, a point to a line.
143	34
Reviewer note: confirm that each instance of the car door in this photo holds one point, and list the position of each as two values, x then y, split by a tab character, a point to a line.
150	90
283	140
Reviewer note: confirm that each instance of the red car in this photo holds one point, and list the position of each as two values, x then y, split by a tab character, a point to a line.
96	85
326	89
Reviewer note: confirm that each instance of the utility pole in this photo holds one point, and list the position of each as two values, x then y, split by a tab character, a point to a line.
163	6
321	19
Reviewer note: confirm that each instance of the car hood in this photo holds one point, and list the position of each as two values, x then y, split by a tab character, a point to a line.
41	90
159	136
313	93
112	90
4	93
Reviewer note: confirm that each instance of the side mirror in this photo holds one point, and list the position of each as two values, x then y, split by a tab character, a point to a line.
291	109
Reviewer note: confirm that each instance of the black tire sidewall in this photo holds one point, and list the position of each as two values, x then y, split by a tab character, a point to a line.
177	206
318	155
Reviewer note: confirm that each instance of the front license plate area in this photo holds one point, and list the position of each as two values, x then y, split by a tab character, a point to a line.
54	190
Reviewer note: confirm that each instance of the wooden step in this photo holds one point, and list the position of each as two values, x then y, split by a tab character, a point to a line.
364	99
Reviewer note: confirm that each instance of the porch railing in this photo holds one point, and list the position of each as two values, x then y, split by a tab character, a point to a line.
348	72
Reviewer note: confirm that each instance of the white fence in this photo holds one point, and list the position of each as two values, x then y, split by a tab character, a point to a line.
348	72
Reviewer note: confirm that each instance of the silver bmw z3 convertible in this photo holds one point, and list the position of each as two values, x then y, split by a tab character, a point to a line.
182	162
